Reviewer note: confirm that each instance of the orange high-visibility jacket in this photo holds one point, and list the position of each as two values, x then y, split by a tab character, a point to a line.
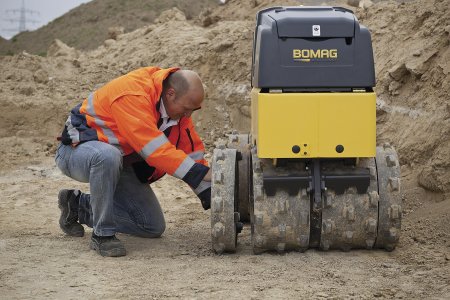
125	114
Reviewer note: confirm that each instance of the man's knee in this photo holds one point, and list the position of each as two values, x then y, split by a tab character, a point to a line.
110	157
155	231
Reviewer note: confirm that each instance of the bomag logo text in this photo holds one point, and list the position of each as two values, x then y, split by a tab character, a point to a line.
308	54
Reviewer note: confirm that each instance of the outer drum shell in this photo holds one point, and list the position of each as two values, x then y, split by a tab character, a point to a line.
223	223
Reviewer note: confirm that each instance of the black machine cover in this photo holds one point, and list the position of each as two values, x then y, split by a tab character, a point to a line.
311	48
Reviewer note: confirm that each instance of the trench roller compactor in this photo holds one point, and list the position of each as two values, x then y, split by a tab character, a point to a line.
309	174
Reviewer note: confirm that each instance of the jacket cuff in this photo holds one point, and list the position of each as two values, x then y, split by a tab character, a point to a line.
204	185
195	175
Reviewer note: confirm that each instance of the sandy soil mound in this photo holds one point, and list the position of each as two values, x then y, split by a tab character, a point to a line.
412	65
86	26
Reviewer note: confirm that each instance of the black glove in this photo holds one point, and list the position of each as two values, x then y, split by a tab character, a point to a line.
205	198
65	137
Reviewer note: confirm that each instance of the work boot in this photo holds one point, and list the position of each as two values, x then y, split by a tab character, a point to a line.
107	245
68	204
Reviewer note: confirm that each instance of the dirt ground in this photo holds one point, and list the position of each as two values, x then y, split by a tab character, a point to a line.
38	261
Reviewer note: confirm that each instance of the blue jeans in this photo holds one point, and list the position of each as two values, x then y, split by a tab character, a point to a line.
118	202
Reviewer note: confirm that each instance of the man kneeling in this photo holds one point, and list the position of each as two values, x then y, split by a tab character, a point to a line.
125	135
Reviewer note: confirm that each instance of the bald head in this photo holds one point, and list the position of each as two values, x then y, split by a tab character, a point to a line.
184	81
182	93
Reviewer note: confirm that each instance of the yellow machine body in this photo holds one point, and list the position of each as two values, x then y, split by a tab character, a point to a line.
315	125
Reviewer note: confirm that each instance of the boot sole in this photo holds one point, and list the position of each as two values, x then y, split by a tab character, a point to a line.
114	252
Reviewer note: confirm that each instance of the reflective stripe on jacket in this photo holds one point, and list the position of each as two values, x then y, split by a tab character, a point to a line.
125	113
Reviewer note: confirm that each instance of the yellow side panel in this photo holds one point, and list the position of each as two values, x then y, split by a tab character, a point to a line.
317	123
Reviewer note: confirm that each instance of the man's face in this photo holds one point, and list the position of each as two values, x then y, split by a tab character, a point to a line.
184	105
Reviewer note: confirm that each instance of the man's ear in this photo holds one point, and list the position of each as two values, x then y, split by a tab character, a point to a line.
171	92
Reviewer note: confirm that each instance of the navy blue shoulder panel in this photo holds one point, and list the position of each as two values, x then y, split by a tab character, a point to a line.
76	129
80	123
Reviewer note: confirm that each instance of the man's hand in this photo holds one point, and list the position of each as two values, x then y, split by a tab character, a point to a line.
207	176
205	198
